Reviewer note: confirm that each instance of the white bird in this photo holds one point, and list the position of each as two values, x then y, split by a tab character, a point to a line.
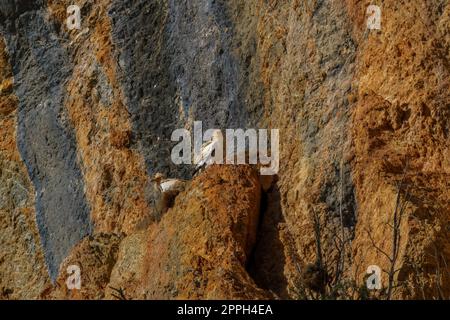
208	151
166	190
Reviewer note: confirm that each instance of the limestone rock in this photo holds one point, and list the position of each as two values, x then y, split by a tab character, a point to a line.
86	119
201	247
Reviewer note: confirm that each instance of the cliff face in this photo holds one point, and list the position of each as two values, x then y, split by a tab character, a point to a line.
86	118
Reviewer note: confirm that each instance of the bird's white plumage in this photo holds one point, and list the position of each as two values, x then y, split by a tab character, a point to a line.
205	158
169	184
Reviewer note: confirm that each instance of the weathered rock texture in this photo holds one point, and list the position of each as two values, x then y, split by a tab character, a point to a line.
22	268
86	121
201	247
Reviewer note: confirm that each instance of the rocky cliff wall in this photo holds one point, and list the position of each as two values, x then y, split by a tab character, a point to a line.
86	121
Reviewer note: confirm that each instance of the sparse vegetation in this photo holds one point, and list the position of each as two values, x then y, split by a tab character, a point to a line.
119	293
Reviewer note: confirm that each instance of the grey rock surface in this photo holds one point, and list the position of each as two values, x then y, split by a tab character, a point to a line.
45	138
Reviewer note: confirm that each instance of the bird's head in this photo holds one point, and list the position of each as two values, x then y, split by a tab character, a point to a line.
158	178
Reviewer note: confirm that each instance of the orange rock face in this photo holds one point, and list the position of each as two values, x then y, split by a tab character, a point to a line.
199	250
94	259
201	247
400	128
363	117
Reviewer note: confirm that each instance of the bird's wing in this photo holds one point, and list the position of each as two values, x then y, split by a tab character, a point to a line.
205	154
169	184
